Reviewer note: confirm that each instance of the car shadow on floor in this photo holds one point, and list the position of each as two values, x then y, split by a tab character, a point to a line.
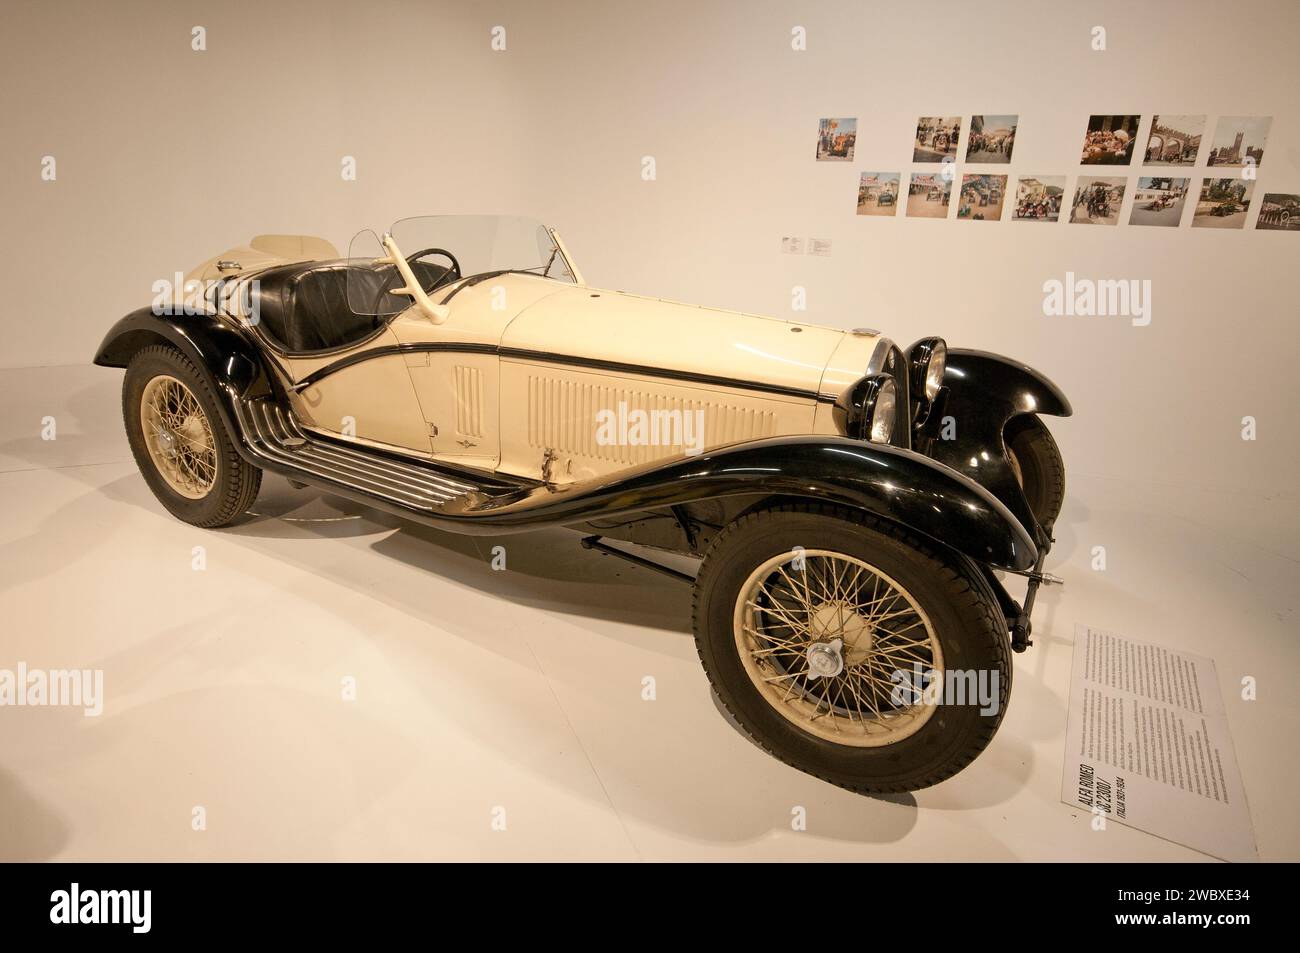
29	831
546	569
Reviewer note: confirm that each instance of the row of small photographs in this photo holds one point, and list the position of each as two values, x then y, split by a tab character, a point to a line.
991	139
1159	201
1176	140
1109	140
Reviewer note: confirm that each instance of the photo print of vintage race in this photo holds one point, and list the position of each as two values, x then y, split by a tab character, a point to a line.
836	139
981	197
1039	198
1223	203
936	138
1174	140
928	194
878	193
1097	200
1158	201
991	139
1279	212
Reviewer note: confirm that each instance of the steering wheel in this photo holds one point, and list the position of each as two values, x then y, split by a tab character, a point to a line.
454	269
452	274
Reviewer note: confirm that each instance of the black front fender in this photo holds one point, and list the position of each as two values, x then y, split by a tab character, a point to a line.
896	484
984	391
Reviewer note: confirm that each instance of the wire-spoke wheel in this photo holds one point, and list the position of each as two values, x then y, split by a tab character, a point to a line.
179	440
851	649
179	437
837	647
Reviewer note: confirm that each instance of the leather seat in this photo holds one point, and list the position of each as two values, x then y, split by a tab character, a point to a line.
323	306
306	307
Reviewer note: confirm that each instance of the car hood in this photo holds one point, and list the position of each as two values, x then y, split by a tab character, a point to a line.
612	327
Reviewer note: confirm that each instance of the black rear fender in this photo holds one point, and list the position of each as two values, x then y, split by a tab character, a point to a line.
231	360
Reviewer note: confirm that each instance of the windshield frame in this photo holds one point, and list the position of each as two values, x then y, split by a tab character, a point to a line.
520	230
400	232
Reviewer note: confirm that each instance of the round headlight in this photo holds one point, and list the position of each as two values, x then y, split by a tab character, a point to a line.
868	410
934	370
883	412
927	358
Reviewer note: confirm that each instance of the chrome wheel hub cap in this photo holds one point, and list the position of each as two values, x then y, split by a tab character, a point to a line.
824	659
166	442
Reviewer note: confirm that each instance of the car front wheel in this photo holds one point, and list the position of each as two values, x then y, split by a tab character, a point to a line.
850	649
179	443
1038	467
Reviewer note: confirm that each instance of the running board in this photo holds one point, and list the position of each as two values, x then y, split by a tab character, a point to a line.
275	438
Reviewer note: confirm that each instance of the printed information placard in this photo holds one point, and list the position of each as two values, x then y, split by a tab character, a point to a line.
1147	744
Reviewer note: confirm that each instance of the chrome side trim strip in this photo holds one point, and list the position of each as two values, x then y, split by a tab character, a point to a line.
876	365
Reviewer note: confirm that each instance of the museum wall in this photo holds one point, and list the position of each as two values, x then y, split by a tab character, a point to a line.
204	150
729	112
207	149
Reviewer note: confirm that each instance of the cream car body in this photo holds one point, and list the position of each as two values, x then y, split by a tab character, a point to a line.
565	351
848	500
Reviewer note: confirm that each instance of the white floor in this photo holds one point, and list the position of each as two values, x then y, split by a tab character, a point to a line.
483	694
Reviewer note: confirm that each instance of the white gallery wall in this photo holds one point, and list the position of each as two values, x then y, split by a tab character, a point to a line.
166	155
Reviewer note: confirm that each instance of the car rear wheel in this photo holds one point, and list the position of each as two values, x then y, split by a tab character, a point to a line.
179	443
1038	466
840	644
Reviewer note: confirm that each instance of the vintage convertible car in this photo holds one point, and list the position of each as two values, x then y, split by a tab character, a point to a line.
855	506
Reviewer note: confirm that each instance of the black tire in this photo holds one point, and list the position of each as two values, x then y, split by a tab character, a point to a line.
1041	469
236	483
951	590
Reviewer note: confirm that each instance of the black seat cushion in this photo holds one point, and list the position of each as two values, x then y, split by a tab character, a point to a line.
306	307
323	306
320	316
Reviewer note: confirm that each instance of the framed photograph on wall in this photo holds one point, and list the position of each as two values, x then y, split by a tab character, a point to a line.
1039	198
1223	203
878	193
1097	201
991	139
936	138
1109	140
982	197
928	194
1279	211
1174	140
1238	140
836	139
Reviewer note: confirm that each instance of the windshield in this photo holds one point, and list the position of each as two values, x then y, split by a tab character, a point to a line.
446	250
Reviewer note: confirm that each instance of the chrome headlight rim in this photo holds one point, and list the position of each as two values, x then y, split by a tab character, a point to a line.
862	414
927	361
881	417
